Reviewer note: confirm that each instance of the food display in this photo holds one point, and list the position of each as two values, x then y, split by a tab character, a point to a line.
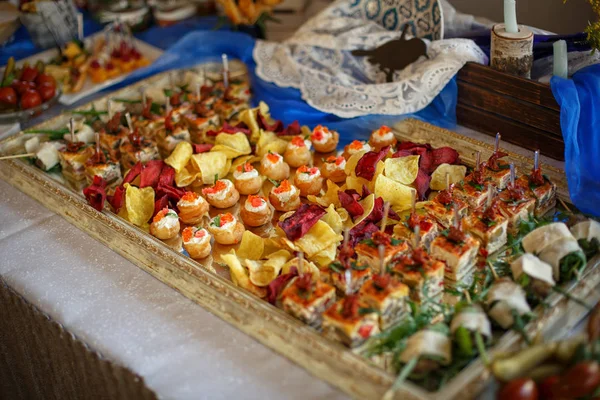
395	249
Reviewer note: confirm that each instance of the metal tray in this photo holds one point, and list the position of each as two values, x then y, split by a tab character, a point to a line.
271	326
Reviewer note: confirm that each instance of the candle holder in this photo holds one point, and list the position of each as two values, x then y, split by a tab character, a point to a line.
512	52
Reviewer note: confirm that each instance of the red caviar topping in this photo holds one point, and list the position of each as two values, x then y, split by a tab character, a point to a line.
284	186
356	145
337	160
160	215
273	157
219	185
319	132
298	141
383	130
187	233
190	196
256	201
246	167
306	170
225	219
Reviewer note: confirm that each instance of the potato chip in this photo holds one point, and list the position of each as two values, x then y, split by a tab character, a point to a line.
233	145
368	204
139	204
263	272
239	275
330	196
438	179
397	194
318	238
333	219
251	247
180	156
402	169
352	161
271	245
249	117
268	141
211	164
187	175
307	267
326	256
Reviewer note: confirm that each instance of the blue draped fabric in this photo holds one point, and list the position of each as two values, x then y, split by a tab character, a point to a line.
579	100
286	103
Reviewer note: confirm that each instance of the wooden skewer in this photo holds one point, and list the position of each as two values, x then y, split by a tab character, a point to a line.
144	97
512	174
72	129
477	161
456	217
300	263
562	203
536	160
197	90
225	70
97	137
467	296
346	237
447	181
348	276
417	234
129	123
109	108
381	251
386	211
497	147
168	105
490	196
17	156
494	273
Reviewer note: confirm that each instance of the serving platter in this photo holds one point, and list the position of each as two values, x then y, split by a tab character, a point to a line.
271	326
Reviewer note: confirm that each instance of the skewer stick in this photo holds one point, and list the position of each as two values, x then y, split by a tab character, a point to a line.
109	108
512	174
413	201
490	196
225	70
17	156
80	26
168	105
479	342
562	203
346	237
144	99
456	217
129	123
386	211
497	147
467	296
417	234
404	373
381	251
72	129
494	273
447	181
477	161
171	81
97	137
536	160
202	75
197	90
301	263
348	277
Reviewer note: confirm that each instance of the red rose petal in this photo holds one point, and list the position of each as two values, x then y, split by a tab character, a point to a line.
133	173
350	203
151	173
444	155
117	199
296	225
422	183
167	176
365	168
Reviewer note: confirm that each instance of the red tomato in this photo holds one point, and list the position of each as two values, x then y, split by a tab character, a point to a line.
29	74
30	99
365	331
22	86
8	96
579	381
45	78
548	386
47	91
519	389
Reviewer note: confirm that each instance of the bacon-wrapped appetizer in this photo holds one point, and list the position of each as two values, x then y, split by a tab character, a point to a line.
324	140
488	226
428	229
256	211
285	197
99	164
307	299
222	194
136	148
458	250
308	180
165	224
273	167
73	158
226	229
334	169
515	205
442	207
298	152
170	135
343	322
196	241
246	179
192	208
421	273
354	148
382	137
388	296
368	250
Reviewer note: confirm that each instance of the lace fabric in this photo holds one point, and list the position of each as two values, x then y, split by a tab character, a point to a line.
317	60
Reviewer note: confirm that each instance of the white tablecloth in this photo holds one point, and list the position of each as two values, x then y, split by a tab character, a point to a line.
181	350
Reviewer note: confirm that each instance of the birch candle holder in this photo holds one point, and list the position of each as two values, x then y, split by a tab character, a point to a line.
512	52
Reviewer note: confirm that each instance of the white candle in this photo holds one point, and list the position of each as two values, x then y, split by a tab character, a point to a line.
510	16
561	59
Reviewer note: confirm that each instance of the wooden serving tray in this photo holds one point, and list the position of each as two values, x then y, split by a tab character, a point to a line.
523	110
271	326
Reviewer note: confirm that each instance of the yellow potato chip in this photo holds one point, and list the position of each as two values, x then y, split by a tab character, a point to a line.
307	267
352	182
239	275
330	196
268	141
251	247
456	174
368	204
180	156
211	164
271	246
249	117
187	175
326	256
263	272
352	161
232	145
397	194
333	219
402	169
139	204
317	239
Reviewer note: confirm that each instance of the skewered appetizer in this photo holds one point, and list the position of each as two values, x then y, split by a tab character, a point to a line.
388	297
471	326
99	164
421	273
432	348
112	136
73	158
198	124
226	229
285	197
170	135
192	208
334	169
532	273
308	180
442	207
368	250
324	140
246	179
381	138
359	274
541	189
298	152
587	234
222	194
196	241
489	227
497	171
428	229
256	211
355	147
515	206
458	250
165	224
505	300
273	167
307	299
136	148
343	322
473	189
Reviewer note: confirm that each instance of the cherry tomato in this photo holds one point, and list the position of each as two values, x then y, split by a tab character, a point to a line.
519	389
365	331
547	387
45	78
22	86
30	99
47	91
29	74
8	96
580	380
